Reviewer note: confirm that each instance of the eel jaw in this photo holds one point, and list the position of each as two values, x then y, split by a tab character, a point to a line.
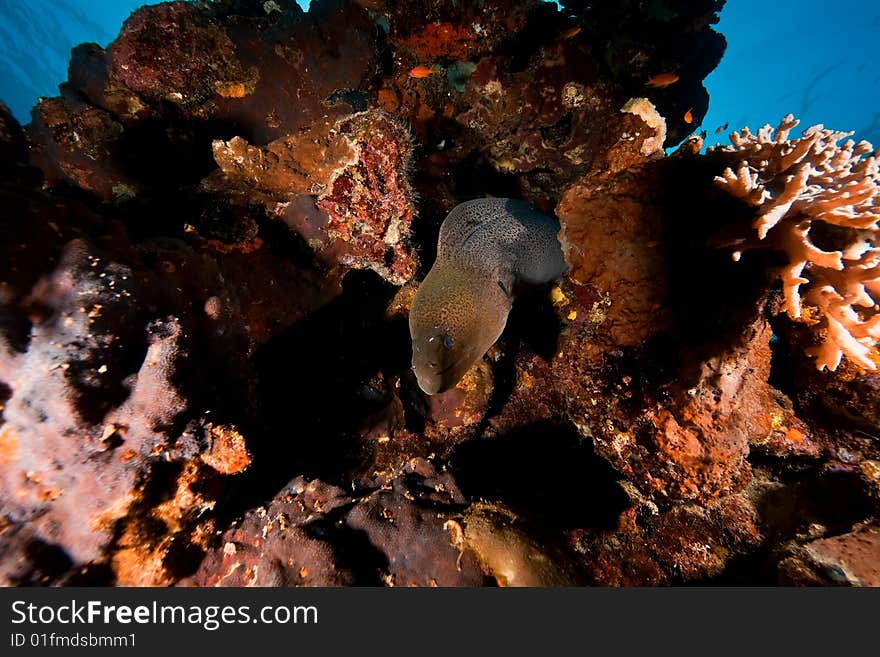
433	382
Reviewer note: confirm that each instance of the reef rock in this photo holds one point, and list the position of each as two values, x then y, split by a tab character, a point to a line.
174	52
356	169
211	238
413	526
846	560
272	545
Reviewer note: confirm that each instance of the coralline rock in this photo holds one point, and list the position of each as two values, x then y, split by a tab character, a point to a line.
420	541
635	42
683	544
556	115
465	404
675	436
847	560
273	545
271	293
14	169
12	143
371	203
433	31
78	144
685	439
180	76
531	401
524	98
356	168
700	444
90	74
227	452
182	333
507	552
160	540
788	436
295	540
612	232
416	541
176	53
439	39
308	162
300	81
853	399
645	110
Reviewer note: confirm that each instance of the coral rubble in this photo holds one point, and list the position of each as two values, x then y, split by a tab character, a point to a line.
211	240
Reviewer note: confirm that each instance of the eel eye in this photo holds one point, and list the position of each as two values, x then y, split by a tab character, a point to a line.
447	342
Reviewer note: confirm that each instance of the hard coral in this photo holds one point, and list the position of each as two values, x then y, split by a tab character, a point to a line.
79	144
272	545
175	52
636	41
819	203
307	162
371	204
356	169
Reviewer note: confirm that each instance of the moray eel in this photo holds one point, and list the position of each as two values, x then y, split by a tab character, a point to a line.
486	248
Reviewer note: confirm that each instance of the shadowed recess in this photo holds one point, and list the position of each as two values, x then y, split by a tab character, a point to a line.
165	153
516	468
314	385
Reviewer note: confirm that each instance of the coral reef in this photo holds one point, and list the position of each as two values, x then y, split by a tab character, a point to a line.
670	40
271	546
849	559
209	248
356	170
512	556
818	202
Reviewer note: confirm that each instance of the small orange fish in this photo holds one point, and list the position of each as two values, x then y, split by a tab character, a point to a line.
420	71
688	116
662	80
718	130
571	32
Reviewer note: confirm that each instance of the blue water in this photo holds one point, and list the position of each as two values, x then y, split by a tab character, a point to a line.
814	58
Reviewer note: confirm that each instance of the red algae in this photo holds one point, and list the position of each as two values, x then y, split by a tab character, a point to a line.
438	40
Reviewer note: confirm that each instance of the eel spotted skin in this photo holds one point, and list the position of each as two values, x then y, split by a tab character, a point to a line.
486	248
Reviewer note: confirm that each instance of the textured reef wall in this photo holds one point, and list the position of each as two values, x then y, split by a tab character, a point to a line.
211	239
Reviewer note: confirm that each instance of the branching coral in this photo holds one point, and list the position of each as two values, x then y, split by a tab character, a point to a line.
819	203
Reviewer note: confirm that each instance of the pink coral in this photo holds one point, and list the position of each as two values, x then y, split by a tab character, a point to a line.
811	191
